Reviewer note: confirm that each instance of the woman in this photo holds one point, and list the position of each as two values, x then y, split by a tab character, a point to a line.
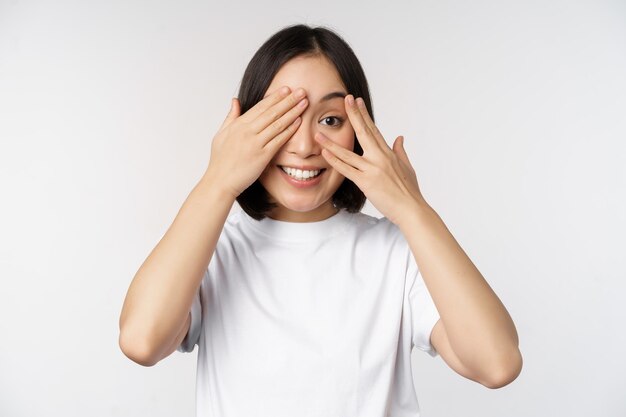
300	303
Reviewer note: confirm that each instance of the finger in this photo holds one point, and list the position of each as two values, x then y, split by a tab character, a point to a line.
279	140
265	103
346	156
344	169
233	113
363	134
280	124
360	104
275	112
398	148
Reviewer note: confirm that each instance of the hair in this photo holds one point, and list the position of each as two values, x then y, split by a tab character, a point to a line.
288	43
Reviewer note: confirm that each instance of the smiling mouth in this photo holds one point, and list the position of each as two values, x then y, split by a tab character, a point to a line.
300	174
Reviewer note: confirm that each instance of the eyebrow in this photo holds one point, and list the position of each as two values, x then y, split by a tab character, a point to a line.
332	95
328	96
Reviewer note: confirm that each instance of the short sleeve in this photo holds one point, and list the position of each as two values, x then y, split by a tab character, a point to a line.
193	335
424	314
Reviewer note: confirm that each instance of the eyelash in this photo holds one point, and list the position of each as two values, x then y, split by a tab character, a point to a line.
339	120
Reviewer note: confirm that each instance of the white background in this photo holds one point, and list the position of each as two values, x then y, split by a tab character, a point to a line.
514	115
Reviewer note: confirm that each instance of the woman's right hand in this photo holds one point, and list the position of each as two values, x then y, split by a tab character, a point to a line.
245	144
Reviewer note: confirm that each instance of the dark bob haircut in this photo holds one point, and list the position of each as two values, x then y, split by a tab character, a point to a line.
288	43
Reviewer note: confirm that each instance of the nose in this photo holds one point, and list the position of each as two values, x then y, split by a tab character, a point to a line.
301	143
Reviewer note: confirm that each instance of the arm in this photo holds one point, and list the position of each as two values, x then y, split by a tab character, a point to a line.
155	314
480	340
475	334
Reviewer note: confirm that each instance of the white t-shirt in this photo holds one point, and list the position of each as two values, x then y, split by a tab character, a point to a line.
309	319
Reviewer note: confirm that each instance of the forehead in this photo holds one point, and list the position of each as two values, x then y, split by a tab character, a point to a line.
316	74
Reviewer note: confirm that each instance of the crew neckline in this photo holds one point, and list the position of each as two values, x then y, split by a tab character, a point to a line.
299	231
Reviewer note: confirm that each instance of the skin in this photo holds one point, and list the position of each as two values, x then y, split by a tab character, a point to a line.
156	312
318	77
475	334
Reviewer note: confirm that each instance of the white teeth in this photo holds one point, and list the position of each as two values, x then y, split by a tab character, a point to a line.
300	174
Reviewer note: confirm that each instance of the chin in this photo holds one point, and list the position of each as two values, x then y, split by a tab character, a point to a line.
300	207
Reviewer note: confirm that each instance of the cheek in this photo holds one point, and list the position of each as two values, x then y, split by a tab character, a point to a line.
346	139
265	176
343	137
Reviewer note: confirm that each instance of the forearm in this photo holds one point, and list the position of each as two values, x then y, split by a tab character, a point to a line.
480	330
160	295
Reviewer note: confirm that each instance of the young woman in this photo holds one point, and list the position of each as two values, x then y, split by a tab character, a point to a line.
301	304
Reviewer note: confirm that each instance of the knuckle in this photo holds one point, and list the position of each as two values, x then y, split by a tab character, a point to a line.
292	114
359	129
283	136
292	100
273	114
292	127
278	125
272	99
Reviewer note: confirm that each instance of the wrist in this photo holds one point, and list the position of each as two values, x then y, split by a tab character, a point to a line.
416	211
213	180
211	187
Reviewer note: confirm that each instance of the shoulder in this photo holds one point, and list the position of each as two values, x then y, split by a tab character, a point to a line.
235	223
233	232
382	229
381	224
365	221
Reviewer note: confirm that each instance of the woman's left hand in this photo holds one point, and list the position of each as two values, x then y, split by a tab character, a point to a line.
385	175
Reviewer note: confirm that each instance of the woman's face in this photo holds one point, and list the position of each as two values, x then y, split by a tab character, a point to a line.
301	200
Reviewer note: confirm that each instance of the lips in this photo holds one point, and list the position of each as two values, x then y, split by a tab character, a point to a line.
305	183
314	173
303	167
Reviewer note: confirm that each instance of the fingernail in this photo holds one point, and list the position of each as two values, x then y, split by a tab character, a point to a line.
350	99
299	93
284	90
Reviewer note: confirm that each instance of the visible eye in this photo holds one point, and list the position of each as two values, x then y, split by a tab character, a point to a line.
338	121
